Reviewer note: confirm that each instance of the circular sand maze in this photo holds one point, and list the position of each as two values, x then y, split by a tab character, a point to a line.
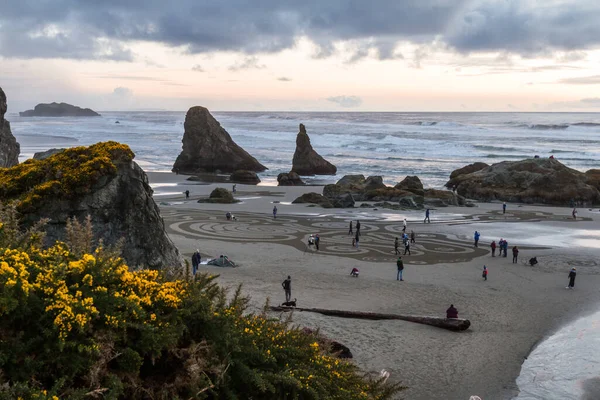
376	241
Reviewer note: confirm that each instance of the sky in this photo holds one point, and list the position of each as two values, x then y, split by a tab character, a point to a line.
310	55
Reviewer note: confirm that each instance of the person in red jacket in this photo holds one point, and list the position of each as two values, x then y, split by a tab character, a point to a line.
452	312
493	246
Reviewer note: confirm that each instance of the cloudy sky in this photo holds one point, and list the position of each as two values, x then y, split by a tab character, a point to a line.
333	55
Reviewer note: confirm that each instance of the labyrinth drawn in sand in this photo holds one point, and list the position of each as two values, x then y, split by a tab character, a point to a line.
376	240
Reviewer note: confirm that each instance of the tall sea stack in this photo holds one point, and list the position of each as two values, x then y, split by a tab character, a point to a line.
207	147
306	160
9	148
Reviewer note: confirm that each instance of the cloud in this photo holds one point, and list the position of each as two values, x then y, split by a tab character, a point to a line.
590	102
346	101
247	63
122	92
582	80
284	79
197	68
130	78
103	29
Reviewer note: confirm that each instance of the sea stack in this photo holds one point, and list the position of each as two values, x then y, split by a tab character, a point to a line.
207	147
59	110
9	148
306	160
101	181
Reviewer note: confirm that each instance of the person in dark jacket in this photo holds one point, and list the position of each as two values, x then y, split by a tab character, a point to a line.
317	241
350	230
493	246
357	228
412	237
407	247
196	259
396	246
427	216
287	288
515	251
452	312
476	236
572	275
400	266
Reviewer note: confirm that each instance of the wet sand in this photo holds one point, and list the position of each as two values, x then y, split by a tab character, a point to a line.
511	312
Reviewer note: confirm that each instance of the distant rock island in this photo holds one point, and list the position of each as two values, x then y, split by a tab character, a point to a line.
306	160
9	147
59	110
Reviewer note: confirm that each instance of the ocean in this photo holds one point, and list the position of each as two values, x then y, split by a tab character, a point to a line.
430	145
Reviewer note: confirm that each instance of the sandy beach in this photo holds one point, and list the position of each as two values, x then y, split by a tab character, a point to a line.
510	312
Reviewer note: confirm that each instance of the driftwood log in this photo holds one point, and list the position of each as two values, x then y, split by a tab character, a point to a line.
445	323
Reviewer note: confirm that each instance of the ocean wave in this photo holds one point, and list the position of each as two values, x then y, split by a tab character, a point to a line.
495	148
586	124
518	156
548	127
423	123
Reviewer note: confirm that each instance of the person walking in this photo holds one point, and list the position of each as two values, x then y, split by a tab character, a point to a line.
572	275
493	247
412	237
574	213
356	239
396	246
274	212
427	216
350	230
287	288
187	194
515	251
196	260
504	208
400	266
476	237
407	247
317	241
404	227
358	228
234	188
485	272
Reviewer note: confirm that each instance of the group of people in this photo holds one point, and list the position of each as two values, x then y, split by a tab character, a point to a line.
314	240
502	248
406	241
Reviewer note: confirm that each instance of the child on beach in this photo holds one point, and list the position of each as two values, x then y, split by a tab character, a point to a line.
485	272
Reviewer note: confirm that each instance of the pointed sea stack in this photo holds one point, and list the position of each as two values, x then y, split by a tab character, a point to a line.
306	160
9	148
207	147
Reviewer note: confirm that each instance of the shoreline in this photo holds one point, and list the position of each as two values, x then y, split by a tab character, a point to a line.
511	314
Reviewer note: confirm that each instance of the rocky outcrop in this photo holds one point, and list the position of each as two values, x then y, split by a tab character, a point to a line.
593	178
412	184
343	201
59	110
289	179
245	177
356	185
9	148
220	196
101	181
306	160
42	155
468	169
313	198
443	198
207	147
536	180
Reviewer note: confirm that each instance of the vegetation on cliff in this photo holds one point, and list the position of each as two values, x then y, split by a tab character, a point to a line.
65	175
77	323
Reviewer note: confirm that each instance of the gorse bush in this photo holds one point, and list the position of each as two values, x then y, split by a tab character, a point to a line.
78	324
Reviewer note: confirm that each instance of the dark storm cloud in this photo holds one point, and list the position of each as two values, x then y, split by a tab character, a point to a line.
101	29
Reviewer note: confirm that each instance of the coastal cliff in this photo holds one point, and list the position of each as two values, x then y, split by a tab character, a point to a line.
306	160
207	147
101	181
9	147
58	110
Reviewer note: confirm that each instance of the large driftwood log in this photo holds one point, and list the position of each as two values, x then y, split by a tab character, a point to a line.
445	323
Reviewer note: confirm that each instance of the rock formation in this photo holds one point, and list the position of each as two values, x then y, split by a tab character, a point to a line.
306	160
59	110
289	179
313	198
42	155
468	169
220	196
244	177
9	148
207	147
101	181
412	184
536	180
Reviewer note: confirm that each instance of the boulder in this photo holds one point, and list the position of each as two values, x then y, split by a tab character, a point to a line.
306	160
412	184
9	148
593	178
443	198
59	110
468	169
414	201
245	177
343	201
220	196
313	198
385	194
373	183
289	179
207	147
352	180
356	185
536	180
42	155
101	181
